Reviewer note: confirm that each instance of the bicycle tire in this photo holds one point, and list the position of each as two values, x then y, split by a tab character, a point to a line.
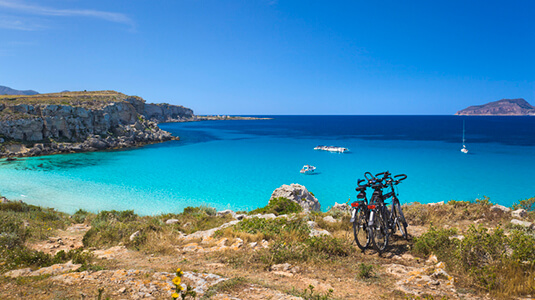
380	232
360	229
401	222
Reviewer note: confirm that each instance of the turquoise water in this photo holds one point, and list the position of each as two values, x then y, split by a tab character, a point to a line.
238	164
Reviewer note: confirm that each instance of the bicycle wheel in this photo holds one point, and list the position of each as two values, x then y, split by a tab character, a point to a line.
380	232
400	220
360	229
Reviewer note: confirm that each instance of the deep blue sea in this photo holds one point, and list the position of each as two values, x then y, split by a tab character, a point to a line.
238	164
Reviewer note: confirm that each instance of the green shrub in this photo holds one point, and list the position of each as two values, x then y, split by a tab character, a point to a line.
309	294
479	247
274	228
282	252
436	241
80	216
325	247
365	271
110	228
200	211
12	231
279	206
493	261
523	246
115	216
527	204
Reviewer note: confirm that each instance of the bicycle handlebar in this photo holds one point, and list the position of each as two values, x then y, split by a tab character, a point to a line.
401	179
369	176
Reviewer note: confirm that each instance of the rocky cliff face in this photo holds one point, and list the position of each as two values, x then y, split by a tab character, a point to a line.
504	107
161	112
68	122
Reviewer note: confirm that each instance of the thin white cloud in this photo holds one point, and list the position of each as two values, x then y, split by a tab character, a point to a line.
47	11
8	22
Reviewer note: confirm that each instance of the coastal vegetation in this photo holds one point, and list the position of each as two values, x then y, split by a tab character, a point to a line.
475	240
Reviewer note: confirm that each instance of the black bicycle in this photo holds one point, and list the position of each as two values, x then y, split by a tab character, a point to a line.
378	227
373	222
397	218
359	217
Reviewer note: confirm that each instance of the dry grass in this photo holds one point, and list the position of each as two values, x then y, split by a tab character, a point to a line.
454	214
66	97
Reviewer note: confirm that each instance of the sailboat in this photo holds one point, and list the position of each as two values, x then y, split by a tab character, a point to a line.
464	150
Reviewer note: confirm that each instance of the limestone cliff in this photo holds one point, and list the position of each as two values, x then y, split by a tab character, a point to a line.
161	112
504	107
80	121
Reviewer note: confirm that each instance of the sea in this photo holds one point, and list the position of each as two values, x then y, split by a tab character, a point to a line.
237	164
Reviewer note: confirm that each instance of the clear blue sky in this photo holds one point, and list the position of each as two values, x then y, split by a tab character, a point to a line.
276	56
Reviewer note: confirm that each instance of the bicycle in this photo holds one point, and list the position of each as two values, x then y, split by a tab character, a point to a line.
359	217
373	222
397	218
378	227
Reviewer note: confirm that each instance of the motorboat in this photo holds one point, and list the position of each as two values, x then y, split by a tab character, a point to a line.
307	169
332	149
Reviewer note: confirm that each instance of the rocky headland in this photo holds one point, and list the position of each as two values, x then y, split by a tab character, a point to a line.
504	107
68	122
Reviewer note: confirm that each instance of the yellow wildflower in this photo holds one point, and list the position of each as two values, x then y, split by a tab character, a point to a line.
179	272
174	295
179	287
49	228
177	280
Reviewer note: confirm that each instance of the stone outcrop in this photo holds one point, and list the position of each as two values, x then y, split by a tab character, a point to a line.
77	122
161	112
504	107
299	194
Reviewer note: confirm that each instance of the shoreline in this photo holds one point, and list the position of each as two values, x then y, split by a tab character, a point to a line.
19	149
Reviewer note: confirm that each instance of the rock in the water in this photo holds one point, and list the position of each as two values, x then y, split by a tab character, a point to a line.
298	194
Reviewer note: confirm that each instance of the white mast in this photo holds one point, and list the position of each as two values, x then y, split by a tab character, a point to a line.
464	150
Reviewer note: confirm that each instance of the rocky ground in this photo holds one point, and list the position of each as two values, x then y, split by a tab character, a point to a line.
222	262
133	275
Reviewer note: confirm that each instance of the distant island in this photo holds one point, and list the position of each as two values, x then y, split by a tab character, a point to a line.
4	90
504	107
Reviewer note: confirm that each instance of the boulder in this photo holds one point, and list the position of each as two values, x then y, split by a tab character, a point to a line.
341	206
519	213
329	219
135	235
299	194
226	212
171	221
522	223
316	231
501	208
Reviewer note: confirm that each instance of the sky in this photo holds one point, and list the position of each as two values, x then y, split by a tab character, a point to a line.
276	57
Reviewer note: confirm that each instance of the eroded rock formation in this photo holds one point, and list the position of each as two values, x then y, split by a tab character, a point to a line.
81	121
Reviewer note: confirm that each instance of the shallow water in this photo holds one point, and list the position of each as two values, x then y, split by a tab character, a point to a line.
238	164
